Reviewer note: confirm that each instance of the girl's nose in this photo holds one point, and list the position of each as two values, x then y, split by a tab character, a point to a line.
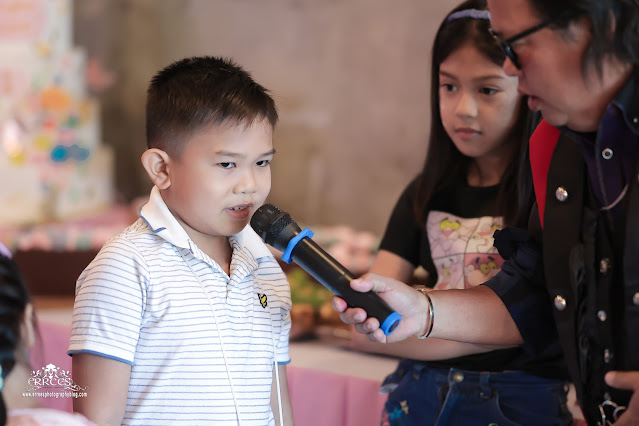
467	105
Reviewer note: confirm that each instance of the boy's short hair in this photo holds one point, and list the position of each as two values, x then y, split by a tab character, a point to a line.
198	92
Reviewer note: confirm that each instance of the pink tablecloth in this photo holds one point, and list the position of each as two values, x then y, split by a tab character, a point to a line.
51	349
320	398
332	385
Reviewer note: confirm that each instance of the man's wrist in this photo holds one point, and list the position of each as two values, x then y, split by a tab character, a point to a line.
430	316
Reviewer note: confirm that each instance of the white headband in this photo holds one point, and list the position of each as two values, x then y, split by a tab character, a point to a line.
469	13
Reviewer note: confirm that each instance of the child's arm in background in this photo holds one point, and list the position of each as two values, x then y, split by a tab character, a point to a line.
287	410
107	382
391	265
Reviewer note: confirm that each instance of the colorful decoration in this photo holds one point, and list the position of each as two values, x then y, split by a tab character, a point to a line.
50	134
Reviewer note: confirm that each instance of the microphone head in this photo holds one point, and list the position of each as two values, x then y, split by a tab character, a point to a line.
268	222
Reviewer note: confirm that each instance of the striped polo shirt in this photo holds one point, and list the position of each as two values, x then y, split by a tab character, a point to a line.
152	299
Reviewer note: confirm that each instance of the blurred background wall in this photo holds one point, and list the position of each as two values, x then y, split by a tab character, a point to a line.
350	79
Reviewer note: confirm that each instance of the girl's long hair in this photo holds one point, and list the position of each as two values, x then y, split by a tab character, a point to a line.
13	302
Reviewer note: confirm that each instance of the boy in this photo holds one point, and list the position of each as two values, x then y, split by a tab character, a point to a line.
179	319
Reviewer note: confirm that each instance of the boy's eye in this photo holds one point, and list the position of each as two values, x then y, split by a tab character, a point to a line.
488	91
226	165
263	163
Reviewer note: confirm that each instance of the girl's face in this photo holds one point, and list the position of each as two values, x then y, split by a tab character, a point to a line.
478	103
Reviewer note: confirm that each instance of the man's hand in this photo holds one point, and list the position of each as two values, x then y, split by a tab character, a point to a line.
405	300
628	380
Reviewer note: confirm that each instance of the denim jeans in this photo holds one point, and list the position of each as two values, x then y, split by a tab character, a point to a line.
423	395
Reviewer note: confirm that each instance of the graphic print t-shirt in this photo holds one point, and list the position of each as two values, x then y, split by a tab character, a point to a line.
456	250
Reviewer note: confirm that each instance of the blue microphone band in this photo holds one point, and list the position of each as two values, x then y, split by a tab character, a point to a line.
390	323
286	256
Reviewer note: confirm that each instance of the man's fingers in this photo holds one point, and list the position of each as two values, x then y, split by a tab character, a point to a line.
353	316
363	284
377	336
339	304
365	327
374	282
628	380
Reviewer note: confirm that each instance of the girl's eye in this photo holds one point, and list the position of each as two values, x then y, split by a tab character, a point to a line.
488	91
448	87
226	165
263	163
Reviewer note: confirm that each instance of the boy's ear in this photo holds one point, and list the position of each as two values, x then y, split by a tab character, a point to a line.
156	164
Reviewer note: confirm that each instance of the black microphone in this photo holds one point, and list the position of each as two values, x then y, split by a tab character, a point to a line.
279	230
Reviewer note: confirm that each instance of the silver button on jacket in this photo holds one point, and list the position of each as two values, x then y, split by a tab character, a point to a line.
561	194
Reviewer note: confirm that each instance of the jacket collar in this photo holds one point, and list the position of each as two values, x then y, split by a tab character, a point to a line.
628	102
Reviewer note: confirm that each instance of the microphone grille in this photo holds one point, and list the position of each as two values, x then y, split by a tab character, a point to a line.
268	221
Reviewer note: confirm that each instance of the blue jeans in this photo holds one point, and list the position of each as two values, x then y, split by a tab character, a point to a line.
423	395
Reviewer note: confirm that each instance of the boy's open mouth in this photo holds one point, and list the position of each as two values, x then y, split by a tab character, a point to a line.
240	212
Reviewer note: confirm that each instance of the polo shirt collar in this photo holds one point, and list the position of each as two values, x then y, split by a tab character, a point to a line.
162	222
249	239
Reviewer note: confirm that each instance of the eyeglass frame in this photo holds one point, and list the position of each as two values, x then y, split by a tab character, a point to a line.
506	45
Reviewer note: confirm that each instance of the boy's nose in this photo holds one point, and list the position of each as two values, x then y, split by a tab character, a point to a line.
247	183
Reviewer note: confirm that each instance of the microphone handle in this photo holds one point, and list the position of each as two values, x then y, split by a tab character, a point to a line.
332	275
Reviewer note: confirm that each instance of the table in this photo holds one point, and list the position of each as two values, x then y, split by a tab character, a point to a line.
332	385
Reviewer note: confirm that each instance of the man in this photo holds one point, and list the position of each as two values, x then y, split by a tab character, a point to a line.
577	61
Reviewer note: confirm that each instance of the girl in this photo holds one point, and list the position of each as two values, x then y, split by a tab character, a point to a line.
16	336
444	222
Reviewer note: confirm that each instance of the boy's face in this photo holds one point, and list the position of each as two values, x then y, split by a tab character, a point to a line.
221	178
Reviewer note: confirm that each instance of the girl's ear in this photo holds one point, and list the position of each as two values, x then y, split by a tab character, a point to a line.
156	163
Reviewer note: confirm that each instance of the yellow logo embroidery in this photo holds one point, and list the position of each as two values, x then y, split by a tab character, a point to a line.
262	298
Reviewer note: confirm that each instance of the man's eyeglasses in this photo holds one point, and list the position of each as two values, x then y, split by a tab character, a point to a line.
507	44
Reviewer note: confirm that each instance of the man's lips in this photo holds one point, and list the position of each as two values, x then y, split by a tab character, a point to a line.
522	92
533	103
